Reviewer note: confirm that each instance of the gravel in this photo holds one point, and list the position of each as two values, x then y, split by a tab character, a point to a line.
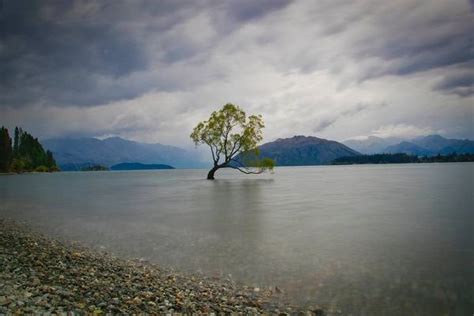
39	274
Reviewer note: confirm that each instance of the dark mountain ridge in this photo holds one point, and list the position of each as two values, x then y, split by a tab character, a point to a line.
304	151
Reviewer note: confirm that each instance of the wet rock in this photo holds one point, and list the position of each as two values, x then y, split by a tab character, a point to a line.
44	276
4	301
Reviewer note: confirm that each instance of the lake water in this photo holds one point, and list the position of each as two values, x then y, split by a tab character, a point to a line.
373	239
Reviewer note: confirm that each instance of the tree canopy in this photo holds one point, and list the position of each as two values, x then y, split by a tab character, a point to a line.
229	132
25	154
6	153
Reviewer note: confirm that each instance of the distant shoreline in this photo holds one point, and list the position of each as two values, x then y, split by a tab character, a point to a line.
26	172
277	166
401	158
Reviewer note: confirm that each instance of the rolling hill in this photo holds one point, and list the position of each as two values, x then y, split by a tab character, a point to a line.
304	151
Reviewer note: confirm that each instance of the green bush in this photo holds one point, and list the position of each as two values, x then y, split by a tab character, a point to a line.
54	168
27	153
17	165
41	169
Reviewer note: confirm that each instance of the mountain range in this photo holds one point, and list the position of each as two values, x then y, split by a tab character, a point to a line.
73	153
304	150
420	146
371	144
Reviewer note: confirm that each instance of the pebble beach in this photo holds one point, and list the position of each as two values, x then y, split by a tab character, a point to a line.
39	274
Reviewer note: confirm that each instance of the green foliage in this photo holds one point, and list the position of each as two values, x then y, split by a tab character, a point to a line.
449	158
50	162
16	141
42	169
18	165
229	132
375	159
27	153
54	168
6	154
266	163
251	158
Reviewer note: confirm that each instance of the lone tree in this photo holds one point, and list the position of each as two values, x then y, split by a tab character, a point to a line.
230	133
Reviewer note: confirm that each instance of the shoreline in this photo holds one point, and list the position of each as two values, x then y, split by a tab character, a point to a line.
286	166
39	274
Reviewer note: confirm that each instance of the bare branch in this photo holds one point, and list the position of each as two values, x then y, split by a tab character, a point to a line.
246	171
218	154
229	127
234	149
213	155
240	163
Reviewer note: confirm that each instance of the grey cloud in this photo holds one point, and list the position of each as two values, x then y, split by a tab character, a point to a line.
248	10
411	37
60	53
332	118
461	84
80	53
447	52
87	53
323	124
151	68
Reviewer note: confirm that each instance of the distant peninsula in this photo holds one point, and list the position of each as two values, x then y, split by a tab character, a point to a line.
24	153
94	168
139	166
401	158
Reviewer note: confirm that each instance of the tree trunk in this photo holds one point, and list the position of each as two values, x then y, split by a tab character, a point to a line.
210	175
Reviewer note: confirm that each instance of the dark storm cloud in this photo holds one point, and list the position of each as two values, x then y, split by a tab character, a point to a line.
247	10
69	52
80	52
461	84
447	52
412	40
146	68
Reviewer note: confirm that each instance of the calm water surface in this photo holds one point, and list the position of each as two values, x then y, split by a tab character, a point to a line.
391	239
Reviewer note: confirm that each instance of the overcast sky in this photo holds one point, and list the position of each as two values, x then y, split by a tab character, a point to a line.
150	70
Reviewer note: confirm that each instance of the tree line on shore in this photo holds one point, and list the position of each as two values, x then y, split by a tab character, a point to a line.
24	153
401	158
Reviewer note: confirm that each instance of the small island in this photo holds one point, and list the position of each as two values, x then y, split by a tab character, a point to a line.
94	168
139	166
